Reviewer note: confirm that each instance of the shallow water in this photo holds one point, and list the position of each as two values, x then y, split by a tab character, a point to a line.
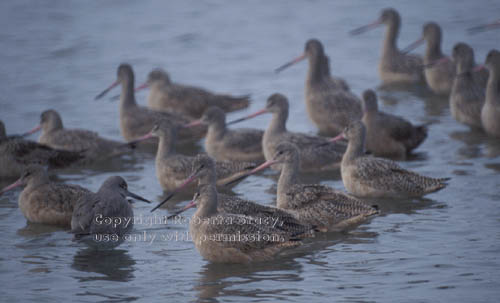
60	54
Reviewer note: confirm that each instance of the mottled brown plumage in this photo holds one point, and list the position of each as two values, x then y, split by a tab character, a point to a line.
389	135
44	201
16	154
188	101
136	121
371	177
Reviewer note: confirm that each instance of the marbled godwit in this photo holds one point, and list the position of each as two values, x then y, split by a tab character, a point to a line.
318	205
102	219
135	120
172	168
490	114
468	91
394	66
267	215
17	153
232	238
223	144
389	135
484	27
439	70
89	143
44	201
188	101
316	153
370	177
330	104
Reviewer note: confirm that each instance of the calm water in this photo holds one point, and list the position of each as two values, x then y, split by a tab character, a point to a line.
60	54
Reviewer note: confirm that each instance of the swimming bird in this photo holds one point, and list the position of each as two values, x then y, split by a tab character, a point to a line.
44	201
490	114
316	153
265	215
389	135
89	143
484	27
394	66
232	238
173	168
224	144
101	220
16	154
135	120
188	101
329	102
468	91
439	70
371	177
318	205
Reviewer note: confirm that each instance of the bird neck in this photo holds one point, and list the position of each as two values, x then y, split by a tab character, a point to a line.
278	121
493	87
391	35
127	97
207	202
316	71
433	50
355	148
216	129
166	147
465	66
288	177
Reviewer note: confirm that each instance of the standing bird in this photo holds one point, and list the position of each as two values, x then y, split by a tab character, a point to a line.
188	101
468	91
173	168
101	220
394	66
329	102
439	70
223	144
16	154
265	215
389	135
490	114
135	120
370	177
223	237
87	142
44	201
318	205
316	153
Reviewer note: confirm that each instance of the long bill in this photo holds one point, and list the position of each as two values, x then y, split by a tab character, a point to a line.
258	113
193	123
180	211
137	197
365	28
132	143
253	171
138	88
32	131
337	138
18	183
413	46
104	92
437	62
288	64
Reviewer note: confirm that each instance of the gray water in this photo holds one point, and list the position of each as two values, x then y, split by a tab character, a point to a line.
60	54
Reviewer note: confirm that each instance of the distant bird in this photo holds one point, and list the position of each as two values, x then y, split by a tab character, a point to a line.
224	144
16	154
484	27
135	120
439	69
89	143
173	168
370	177
394	66
101	220
490	114
44	201
316	153
188	101
389	135
318	205
468	91
329	102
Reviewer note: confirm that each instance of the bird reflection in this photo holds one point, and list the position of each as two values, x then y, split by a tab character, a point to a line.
112	265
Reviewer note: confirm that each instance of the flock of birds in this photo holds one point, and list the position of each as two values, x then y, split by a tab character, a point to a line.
225	228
